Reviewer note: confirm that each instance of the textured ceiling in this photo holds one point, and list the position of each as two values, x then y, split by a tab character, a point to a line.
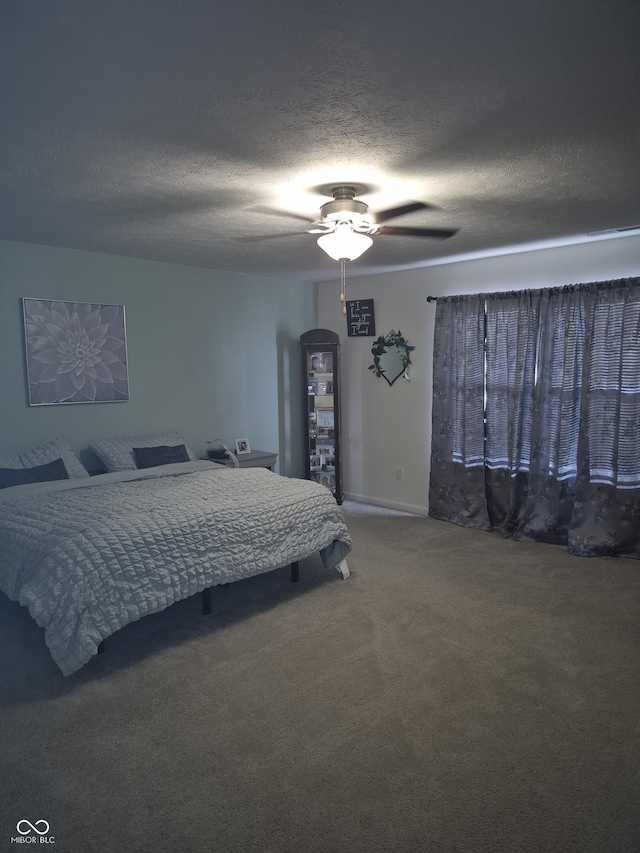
158	128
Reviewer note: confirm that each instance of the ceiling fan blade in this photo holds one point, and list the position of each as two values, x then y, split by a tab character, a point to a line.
442	233
282	214
407	207
257	237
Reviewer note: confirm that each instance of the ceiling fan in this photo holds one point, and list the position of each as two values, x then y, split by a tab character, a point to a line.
346	225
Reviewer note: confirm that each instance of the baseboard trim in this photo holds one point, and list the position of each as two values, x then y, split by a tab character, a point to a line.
364	499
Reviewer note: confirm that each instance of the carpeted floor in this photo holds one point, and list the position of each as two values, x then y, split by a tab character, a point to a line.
460	692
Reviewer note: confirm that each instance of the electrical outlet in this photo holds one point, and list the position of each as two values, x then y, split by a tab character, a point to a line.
399	473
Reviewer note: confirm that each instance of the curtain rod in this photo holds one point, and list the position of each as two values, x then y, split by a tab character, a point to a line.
629	281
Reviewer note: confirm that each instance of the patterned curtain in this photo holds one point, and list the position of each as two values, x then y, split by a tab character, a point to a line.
606	511
510	375
534	351
554	388
456	490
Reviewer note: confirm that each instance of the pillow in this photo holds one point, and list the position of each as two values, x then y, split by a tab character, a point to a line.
38	474
148	457
56	449
116	454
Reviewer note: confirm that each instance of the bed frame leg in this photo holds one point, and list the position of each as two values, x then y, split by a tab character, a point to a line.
101	648
295	575
343	568
206	601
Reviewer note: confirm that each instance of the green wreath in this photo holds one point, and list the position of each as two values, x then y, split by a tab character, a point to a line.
382	344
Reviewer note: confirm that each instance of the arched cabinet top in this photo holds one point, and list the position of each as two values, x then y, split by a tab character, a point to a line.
319	337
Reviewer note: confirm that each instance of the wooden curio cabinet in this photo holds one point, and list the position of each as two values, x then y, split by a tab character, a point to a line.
321	415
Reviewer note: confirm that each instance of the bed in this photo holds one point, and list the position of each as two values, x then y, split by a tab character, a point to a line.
88	555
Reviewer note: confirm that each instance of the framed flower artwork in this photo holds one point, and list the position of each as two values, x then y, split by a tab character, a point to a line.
76	352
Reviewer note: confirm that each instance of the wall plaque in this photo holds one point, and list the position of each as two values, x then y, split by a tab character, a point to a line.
361	321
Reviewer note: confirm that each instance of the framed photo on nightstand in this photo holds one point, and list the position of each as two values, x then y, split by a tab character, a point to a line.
242	446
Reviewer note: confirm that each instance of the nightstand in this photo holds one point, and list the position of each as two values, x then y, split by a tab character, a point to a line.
255	459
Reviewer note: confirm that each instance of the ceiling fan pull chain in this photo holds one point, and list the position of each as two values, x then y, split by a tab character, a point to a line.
343	284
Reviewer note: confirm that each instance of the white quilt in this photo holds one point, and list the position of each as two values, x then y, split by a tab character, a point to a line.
89	556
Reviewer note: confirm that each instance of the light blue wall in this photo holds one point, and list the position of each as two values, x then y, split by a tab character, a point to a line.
211	353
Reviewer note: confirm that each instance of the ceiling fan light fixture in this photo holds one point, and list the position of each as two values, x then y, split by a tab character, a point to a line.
344	244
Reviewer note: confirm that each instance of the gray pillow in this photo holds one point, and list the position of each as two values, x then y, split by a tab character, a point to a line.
38	474
149	457
116	454
49	452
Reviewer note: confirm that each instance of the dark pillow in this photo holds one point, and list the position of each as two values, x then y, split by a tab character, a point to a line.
55	470
148	457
